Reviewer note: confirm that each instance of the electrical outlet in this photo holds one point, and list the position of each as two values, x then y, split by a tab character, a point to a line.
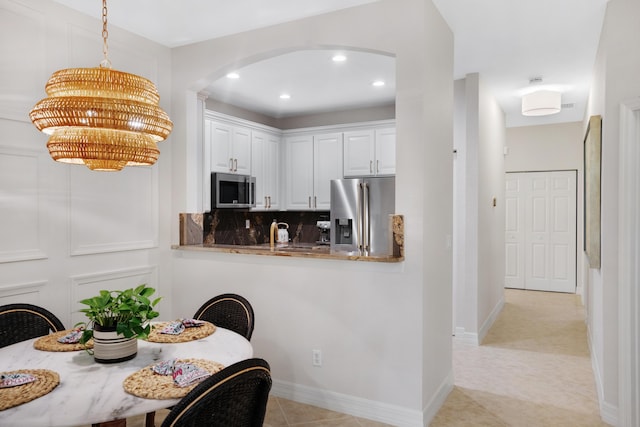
317	357
247	224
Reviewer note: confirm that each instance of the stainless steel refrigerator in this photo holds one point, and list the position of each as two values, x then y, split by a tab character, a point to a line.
360	209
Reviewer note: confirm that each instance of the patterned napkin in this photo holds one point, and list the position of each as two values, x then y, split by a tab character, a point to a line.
72	337
12	380
177	326
184	374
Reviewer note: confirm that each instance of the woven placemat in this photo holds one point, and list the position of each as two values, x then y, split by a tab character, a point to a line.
50	343
14	396
146	383
189	334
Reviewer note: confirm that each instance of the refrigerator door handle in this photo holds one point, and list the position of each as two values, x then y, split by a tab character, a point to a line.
359	216
366	223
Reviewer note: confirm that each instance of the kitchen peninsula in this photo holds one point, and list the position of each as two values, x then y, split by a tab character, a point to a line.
198	233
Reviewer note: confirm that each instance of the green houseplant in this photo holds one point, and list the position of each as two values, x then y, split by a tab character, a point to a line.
118	318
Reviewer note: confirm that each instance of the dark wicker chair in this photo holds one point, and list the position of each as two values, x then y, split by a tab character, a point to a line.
229	311
21	322
234	397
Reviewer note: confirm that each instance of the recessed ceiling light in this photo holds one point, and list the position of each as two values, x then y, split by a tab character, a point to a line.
378	83
339	58
233	76
285	96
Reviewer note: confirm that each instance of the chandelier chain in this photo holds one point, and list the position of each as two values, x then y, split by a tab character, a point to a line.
105	34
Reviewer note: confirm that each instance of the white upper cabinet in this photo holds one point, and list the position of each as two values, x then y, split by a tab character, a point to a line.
385	152
230	147
370	152
265	167
312	161
299	171
327	165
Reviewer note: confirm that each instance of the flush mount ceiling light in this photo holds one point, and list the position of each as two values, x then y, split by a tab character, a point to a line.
339	58
541	103
102	118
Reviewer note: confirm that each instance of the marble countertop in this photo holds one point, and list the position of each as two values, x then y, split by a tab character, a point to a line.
299	250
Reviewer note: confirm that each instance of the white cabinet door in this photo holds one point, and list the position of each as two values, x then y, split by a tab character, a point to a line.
230	147
540	236
385	152
370	152
219	137
359	152
241	150
327	165
265	168
299	172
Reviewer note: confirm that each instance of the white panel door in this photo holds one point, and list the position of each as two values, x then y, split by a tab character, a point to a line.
544	205
514	237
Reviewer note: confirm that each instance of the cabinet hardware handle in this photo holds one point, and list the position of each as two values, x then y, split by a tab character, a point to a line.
377	166
235	165
230	165
370	166
266	205
309	202
269	202
315	202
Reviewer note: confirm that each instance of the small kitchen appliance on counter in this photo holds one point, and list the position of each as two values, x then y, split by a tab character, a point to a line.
283	234
325	228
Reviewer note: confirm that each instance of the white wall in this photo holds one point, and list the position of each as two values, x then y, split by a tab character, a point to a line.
616	80
491	259
384	329
529	147
479	226
66	232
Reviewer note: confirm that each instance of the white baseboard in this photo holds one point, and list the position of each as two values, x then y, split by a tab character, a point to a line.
608	412
461	335
362	408
490	320
436	402
472	338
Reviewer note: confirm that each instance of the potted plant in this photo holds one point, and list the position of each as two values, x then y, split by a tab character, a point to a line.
116	320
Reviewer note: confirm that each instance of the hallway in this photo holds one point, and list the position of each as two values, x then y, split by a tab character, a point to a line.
532	369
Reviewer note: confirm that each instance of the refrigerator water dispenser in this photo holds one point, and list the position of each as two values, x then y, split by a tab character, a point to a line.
344	231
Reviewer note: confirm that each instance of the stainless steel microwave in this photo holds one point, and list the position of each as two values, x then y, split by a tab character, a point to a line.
232	191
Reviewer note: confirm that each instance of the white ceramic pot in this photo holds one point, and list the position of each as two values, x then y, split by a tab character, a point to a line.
109	347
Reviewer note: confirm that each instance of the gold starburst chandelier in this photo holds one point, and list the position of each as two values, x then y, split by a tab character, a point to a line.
102	118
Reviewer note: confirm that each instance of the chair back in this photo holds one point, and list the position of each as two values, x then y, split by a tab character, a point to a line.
21	322
236	396
229	311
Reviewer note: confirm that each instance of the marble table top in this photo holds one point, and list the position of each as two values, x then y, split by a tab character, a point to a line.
91	392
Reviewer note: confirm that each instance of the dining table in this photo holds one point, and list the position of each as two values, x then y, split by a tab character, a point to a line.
93	393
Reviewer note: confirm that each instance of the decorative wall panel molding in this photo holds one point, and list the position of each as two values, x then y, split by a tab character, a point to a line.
22	31
24	214
112	212
88	285
26	293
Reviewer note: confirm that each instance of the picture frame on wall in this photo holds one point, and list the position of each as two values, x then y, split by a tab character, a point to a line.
592	182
